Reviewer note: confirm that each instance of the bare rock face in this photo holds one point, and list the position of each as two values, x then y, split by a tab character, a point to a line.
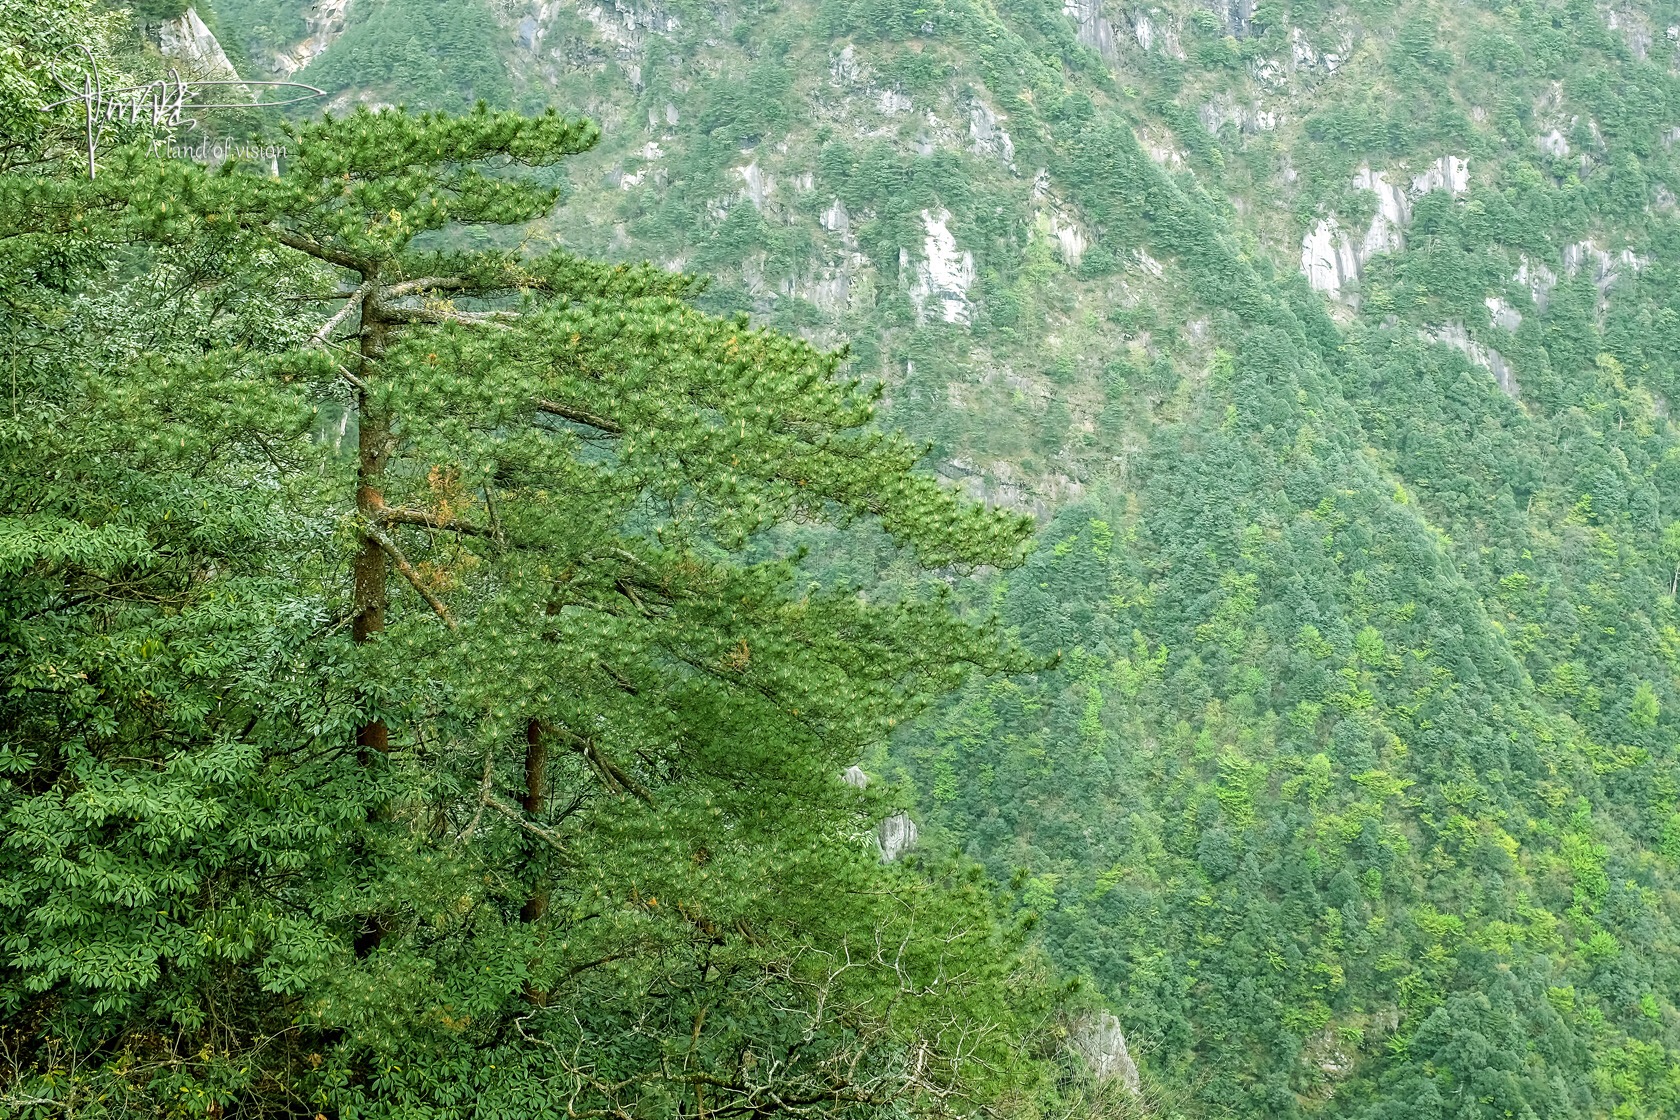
325	20
1331	259
759	185
1502	314
896	836
1454	335
1538	279
856	778
943	276
1237	14
1328	257
188	43
1095	29
986	135
1249	118
1102	1044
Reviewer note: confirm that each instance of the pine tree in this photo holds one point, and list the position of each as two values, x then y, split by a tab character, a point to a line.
508	742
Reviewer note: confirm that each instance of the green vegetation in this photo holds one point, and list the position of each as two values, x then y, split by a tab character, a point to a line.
1342	768
412	700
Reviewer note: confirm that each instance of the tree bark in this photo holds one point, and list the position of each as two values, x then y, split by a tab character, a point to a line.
536	801
373	437
368	570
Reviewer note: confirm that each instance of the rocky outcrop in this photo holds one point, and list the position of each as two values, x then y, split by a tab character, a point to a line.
986	134
1502	314
895	836
836	287
1156	29
625	26
1059	222
325	21
759	184
1538	279
194	50
943	276
1249	118
835	219
1455	336
1306	58
1237	14
1100	1041
845	67
1449	173
1095	29
1604	267
855	777
1635	28
1330	257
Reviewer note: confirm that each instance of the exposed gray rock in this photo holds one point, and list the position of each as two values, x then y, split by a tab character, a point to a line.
835	287
892	101
1095	29
1328	258
1454	335
856	778
986	134
759	184
940	281
191	46
1635	29
1604	267
1331	259
1502	314
896	835
1237	14
1154	28
845	66
1447	173
1538	279
1249	118
836	220
1100	1041
325	23
1554	144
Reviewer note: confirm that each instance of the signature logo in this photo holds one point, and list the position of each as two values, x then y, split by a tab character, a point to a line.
162	104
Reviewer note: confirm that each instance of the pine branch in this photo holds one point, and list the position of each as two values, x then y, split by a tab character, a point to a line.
425	284
440	315
426	519
610	773
354	301
579	416
303	244
409	573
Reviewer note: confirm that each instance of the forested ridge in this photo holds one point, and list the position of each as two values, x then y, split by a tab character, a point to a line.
1323	733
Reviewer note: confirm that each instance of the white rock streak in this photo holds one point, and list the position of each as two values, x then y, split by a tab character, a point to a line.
191	45
944	274
1330	257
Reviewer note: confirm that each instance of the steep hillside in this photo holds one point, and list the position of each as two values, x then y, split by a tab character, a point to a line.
1332	344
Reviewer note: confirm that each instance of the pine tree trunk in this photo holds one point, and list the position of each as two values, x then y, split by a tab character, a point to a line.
536	800
369	570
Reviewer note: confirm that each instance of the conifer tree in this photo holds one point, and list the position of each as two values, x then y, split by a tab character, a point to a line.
508	741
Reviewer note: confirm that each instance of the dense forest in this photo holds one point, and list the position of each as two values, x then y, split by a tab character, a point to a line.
1203	470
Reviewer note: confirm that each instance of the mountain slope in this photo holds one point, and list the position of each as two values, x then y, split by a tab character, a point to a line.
1332	344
